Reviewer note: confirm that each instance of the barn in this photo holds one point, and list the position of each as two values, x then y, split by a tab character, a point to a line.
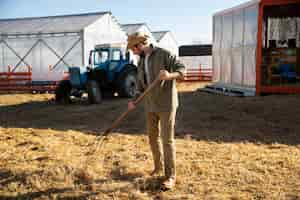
256	46
51	44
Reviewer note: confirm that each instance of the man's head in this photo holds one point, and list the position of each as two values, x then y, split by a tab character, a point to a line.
137	42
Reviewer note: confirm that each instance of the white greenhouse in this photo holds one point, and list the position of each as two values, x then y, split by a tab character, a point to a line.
234	45
166	40
256	46
51	44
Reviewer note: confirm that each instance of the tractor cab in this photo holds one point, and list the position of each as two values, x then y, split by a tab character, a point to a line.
108	57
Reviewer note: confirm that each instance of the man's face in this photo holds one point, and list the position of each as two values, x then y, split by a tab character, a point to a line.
137	49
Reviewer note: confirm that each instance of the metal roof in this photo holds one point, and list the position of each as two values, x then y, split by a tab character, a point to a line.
132	28
49	24
158	35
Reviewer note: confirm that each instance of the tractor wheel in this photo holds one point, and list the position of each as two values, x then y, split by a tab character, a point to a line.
62	92
128	84
94	92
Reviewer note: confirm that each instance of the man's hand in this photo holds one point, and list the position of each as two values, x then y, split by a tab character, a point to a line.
131	105
165	75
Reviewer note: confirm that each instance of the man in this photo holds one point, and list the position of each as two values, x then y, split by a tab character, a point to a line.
160	104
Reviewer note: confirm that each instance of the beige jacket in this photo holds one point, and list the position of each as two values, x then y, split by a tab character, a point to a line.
163	97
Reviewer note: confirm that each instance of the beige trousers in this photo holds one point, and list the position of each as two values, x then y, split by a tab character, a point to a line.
160	128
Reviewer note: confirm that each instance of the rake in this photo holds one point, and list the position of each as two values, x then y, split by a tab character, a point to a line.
99	142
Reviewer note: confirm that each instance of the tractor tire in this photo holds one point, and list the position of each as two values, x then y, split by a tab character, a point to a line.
62	92
94	92
128	84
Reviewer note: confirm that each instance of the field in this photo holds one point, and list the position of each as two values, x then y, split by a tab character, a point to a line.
227	148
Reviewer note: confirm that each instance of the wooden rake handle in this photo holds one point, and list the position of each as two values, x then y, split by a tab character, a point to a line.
136	102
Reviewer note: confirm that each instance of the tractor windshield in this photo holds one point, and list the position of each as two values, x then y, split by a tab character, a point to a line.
101	56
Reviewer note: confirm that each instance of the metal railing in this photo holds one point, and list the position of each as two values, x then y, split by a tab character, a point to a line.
11	78
21	81
198	74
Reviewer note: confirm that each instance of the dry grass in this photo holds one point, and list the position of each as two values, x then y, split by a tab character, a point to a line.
191	86
14	99
48	164
53	162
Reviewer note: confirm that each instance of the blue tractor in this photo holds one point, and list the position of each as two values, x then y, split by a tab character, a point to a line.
110	71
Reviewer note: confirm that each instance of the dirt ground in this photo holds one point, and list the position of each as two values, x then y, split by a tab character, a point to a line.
227	148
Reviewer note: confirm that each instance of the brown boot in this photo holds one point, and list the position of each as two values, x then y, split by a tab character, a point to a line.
168	184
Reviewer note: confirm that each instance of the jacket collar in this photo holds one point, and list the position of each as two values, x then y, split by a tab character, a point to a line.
154	49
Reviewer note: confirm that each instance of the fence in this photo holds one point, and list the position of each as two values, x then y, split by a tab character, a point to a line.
21	81
198	74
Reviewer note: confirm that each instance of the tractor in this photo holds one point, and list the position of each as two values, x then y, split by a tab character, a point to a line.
110	71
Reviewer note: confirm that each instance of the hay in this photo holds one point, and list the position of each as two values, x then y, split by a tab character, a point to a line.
240	155
35	161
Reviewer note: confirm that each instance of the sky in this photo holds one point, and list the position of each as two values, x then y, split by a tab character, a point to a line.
190	21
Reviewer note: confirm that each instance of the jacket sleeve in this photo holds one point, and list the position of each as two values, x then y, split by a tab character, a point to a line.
174	65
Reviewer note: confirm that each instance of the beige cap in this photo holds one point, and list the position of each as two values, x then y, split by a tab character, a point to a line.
135	39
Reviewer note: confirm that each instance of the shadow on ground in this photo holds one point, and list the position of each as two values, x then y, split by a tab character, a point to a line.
201	116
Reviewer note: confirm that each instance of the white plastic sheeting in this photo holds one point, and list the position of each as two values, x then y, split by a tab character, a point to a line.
49	57
226	45
237	47
250	43
216	49
104	30
68	53
234	45
63	41
166	40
